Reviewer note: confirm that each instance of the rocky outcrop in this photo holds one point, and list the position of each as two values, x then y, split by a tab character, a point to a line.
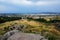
26	36
17	33
8	34
14	29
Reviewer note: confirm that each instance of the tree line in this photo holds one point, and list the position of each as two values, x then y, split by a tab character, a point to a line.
5	19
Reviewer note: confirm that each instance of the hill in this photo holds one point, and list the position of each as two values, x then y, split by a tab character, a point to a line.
47	30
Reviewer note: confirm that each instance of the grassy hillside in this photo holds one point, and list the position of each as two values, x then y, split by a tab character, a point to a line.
46	30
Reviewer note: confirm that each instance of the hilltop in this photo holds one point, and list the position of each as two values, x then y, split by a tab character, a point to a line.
48	31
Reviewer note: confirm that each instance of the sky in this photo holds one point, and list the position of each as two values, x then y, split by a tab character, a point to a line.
29	6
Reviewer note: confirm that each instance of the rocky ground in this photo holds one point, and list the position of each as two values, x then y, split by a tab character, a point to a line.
16	34
26	36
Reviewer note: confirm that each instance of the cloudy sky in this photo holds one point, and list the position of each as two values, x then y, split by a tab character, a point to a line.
29	6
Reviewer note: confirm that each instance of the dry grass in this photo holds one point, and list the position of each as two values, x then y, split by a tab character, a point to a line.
33	27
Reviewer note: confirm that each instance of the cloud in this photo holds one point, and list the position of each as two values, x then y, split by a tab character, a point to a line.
18	2
46	2
34	0
30	2
6	9
3	8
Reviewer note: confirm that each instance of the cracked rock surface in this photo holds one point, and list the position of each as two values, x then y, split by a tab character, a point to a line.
26	36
